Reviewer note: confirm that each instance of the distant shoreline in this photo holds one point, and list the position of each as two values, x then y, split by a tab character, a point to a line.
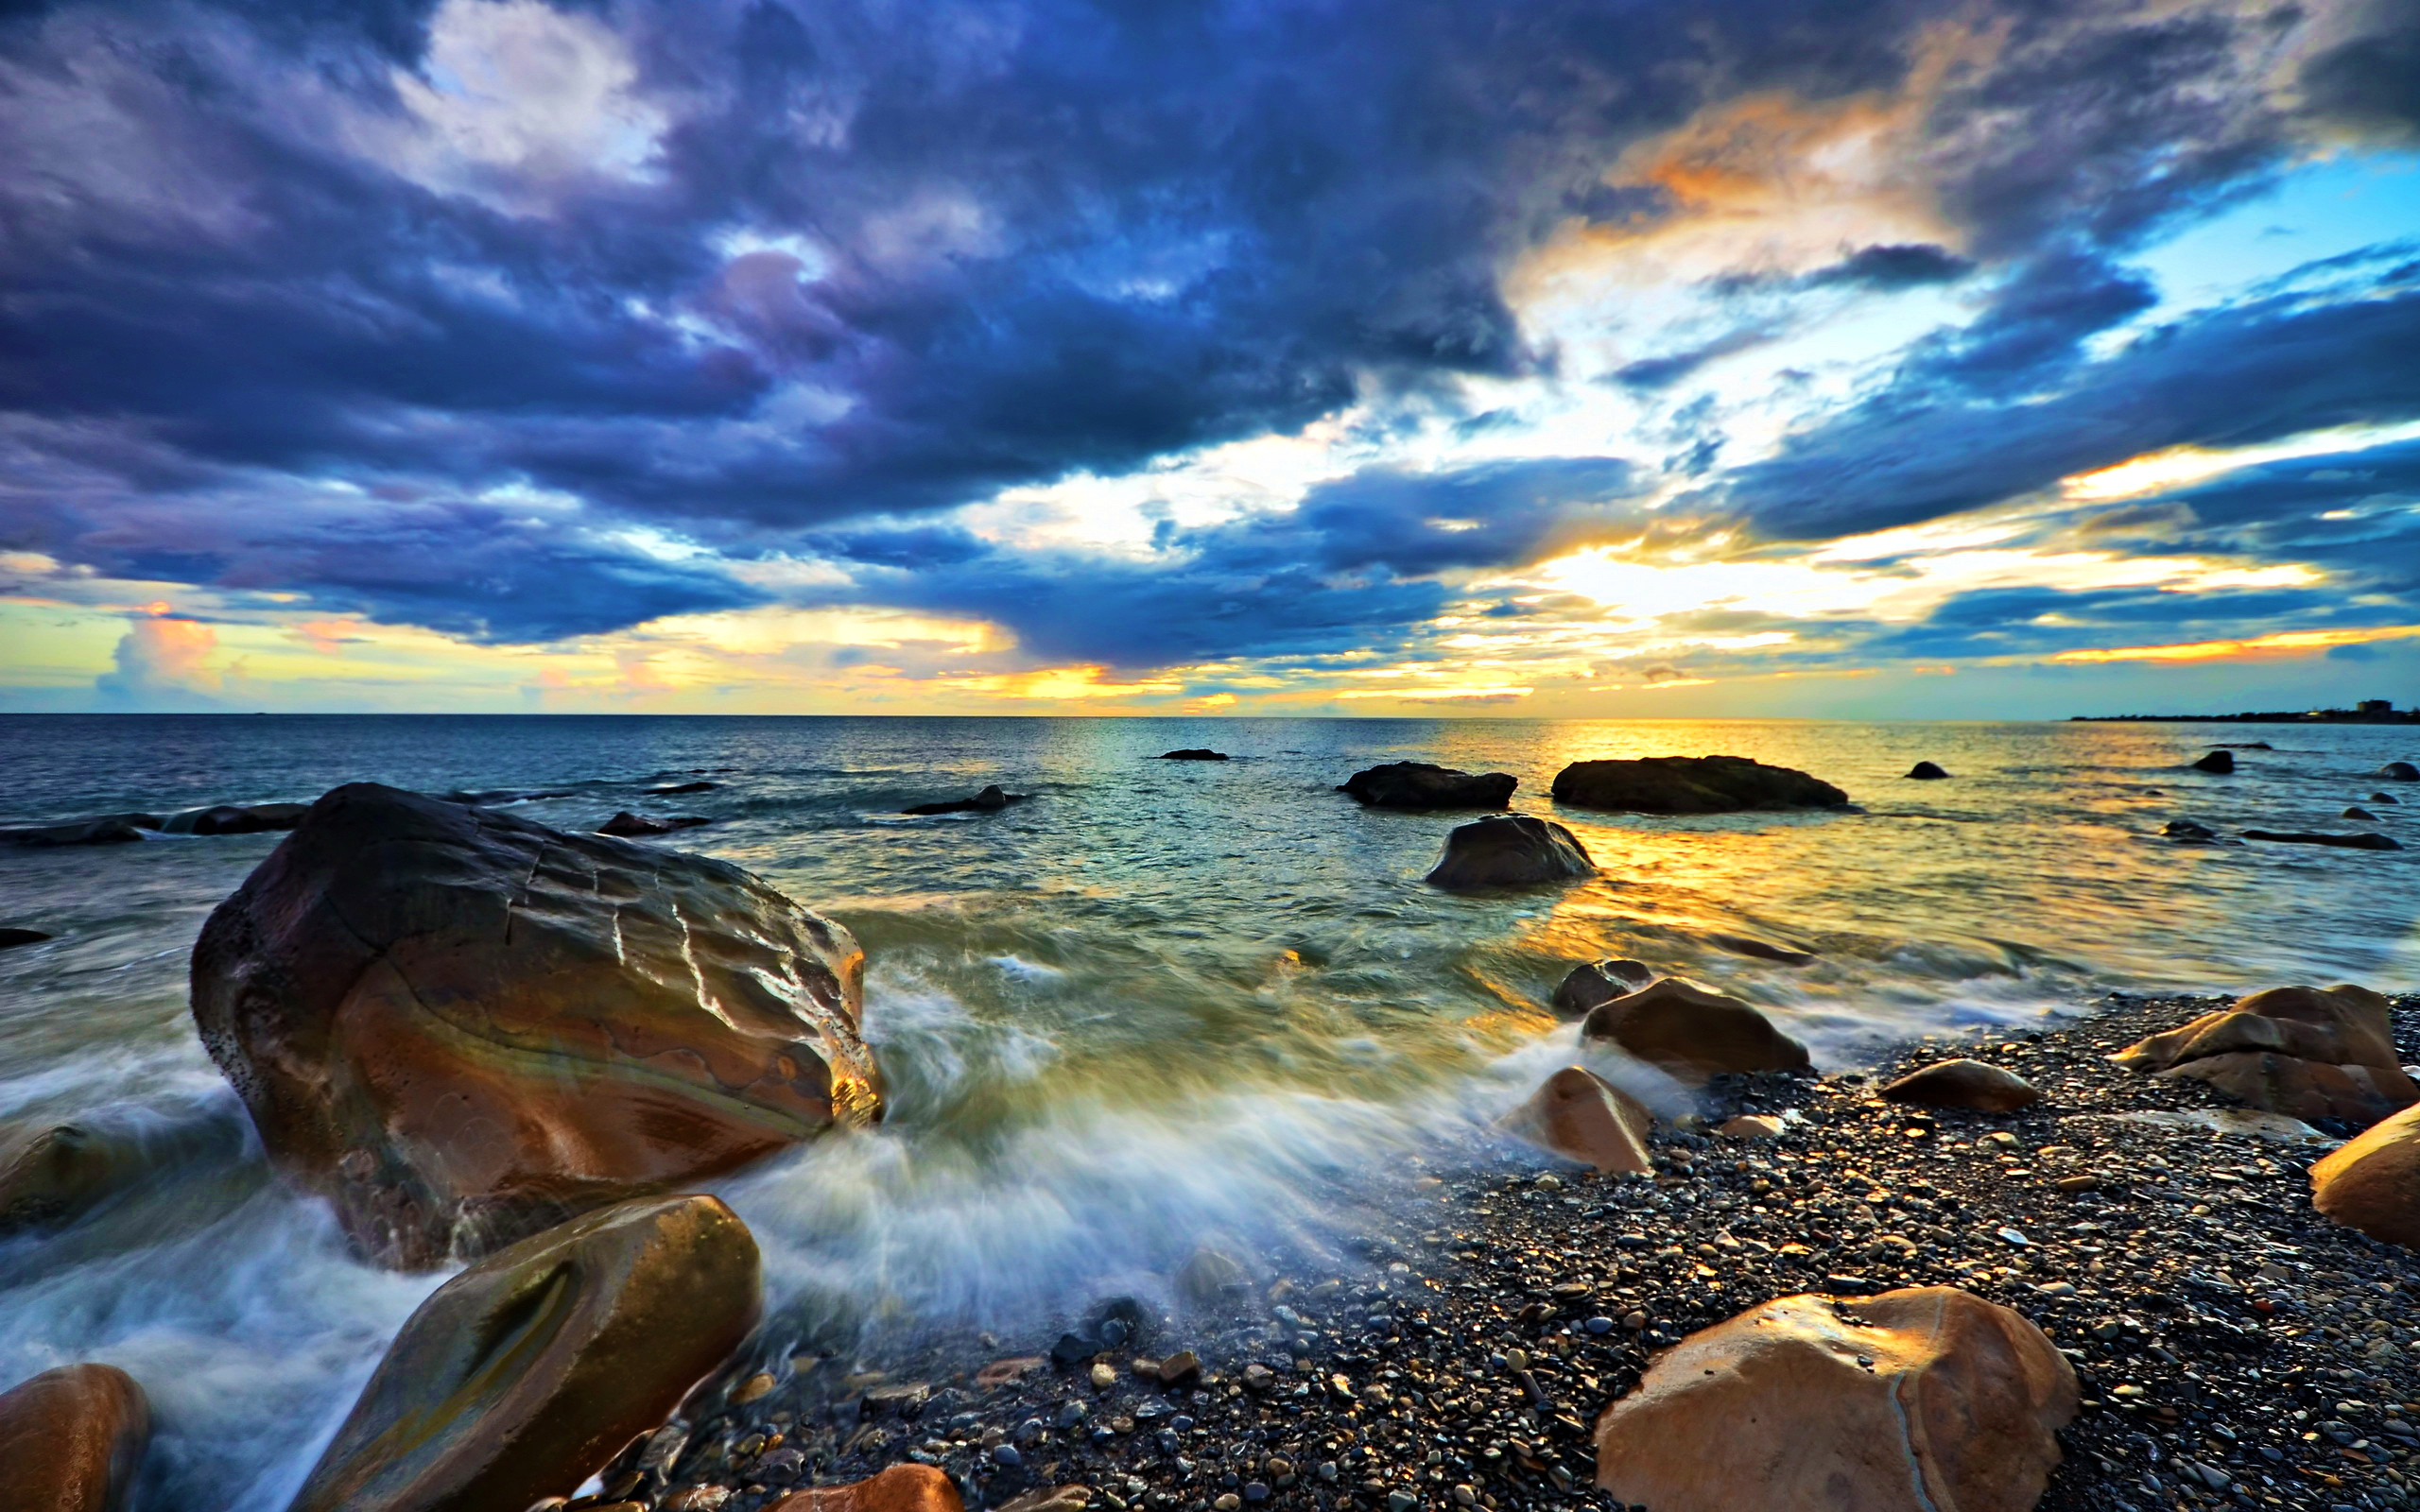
2329	718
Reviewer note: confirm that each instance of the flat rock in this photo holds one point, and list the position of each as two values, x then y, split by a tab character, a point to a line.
461	1026
1510	850
530	1370
2189	830
2367	840
899	1489
990	801
10	937
1194	754
1593	982
1974	1085
1915	1400
109	829
1420	785
70	1440
630	826
2372	1182
2218	762
1690	784
675	789
1692	1033
1761	950
1581	1116
1926	772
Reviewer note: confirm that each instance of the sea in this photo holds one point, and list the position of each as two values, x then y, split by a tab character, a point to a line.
1159	1005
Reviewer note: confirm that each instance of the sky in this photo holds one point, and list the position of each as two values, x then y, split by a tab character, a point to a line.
1633	358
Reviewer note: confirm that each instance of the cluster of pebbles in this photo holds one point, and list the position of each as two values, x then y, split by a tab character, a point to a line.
2235	1349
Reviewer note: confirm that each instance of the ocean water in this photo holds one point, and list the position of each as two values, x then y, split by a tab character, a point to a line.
1161	1005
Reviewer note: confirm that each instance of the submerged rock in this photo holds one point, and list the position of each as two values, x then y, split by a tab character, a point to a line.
1926	772
1195	754
1593	982
527	1373
2218	762
990	800
636	826
1691	784
11	937
2188	829
109	829
1974	1085
903	1488
1581	1116
236	818
2357	812
1510	850
2400	771
676	789
2385	797
2373	1183
2302	1051
1422	785
460	1025
70	1440
51	1172
1692	1033
1761	950
1925	1399
2365	841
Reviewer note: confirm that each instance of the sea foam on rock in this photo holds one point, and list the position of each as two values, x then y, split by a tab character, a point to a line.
1419	785
1581	1116
70	1440
461	1026
1691	784
527	1373
1693	1032
1921	1399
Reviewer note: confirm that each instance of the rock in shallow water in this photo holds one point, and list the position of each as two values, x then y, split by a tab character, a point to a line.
1692	1033
1926	772
1593	982
1915	1400
1510	850
461	1026
2219	762
2367	840
1691	784
630	826
70	1440
1420	785
527	1372
11	937
990	801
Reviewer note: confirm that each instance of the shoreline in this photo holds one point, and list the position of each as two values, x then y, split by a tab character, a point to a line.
2234	1347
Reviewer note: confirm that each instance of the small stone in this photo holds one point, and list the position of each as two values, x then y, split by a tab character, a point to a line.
2076	1183
1465	1496
752	1389
1183	1366
1104	1376
1255	1491
1229	1503
1599	1325
1401	1502
1006	1454
1259	1378
1549	1183
2014	1236
1752	1126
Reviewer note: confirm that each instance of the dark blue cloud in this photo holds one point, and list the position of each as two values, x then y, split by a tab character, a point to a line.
1891	268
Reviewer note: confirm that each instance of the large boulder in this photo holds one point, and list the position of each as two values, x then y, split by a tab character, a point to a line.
1925	1399
1422	785
1510	850
529	1371
1591	983
1691	784
1582	1116
2302	1051
462	1026
899	1489
1693	1032
2372	1182
70	1440
1975	1086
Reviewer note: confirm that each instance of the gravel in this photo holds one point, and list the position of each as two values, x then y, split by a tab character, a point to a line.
2235	1349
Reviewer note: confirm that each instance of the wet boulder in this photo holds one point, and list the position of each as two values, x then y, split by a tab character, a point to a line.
1421	786
1510	850
530	1370
236	818
990	801
1973	1084
1926	772
2368	840
2302	1051
461	1026
1692	1033
1193	753
71	1439
1691	784
630	826
2303	1089
109	829
2219	762
1915	1401
902	1488
51	1172
1593	982
2400	772
11	937
1582	1117
2372	1182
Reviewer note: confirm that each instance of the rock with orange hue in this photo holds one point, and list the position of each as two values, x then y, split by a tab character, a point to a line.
461	1026
1925	1399
1580	1115
1593	982
2372	1182
1693	1032
1753	1126
1973	1084
1510	850
2305	1052
1691	784
71	1439
899	1489
530	1370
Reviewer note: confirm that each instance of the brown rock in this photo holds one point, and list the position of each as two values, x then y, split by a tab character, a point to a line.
1926	1400
1181	1367
1580	1115
899	1489
71	1439
51	1172
1969	1084
2371	1183
527	1372
2342	1026
461	1026
1593	982
2304	1089
1691	784
1753	1126
1693	1032
1050	1499
1510	850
